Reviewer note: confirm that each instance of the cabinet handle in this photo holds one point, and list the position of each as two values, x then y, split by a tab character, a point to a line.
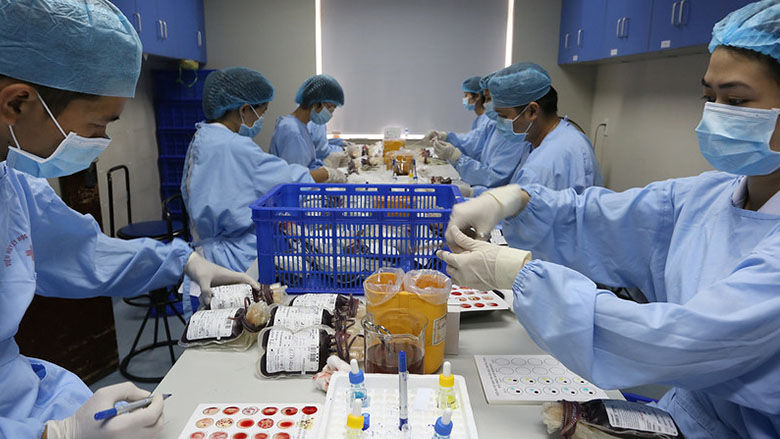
160	25
624	31
579	38
674	13
617	28
165	24
680	12
137	16
566	41
200	39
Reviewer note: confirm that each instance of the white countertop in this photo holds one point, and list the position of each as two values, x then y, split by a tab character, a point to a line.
201	376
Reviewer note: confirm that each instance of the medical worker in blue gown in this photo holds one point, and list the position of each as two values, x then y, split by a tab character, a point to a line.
317	98
705	250
471	142
225	170
68	68
498	159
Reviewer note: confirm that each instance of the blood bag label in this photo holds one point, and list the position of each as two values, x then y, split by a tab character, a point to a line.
439	330
639	417
324	301
297	317
289	351
230	296
215	323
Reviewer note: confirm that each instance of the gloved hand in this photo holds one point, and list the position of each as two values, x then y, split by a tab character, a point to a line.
336	160
446	151
465	189
432	135
335	176
483	266
485	211
208	274
141	423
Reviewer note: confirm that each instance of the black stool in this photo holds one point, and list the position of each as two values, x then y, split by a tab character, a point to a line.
157	302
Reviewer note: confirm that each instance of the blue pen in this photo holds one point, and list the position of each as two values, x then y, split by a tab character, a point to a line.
124	407
403	378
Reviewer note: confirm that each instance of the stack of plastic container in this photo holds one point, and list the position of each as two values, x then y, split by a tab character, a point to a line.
178	108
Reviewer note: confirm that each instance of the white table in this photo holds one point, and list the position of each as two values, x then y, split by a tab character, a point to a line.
201	376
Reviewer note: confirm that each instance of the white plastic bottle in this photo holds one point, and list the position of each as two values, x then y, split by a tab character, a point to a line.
446	396
443	427
357	385
354	423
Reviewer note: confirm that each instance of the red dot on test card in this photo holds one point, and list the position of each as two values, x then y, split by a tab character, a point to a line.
309	410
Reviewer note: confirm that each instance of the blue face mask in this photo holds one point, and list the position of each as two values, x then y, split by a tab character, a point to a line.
506	127
490	111
254	130
74	154
322	117
736	139
467	105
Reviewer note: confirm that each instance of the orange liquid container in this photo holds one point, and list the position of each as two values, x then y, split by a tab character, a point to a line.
424	291
390	145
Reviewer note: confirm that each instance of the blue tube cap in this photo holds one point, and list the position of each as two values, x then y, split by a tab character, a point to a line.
441	428
366	421
356	378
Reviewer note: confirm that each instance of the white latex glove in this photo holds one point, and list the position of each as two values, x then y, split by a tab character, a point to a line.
482	265
208	274
336	159
465	189
432	135
335	176
483	213
446	151
144	423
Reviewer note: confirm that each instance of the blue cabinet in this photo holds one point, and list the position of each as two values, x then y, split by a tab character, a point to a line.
681	23
170	28
626	27
581	30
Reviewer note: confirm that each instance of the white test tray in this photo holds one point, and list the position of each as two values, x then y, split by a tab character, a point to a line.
383	391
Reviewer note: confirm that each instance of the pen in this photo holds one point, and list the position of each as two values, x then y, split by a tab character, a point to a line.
403	377
124	407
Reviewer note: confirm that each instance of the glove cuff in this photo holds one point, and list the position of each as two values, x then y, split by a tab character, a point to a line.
454	155
512	199
509	262
59	429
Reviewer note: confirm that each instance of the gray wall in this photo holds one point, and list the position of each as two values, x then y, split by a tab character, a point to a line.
653	107
271	36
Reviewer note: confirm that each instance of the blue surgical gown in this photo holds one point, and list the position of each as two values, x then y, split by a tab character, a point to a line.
52	250
497	162
472	142
565	159
223	173
322	146
711	271
293	142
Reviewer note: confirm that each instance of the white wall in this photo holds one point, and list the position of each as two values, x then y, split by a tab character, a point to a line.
273	37
653	107
536	33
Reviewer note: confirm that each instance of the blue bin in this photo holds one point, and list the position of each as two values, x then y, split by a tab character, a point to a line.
173	143
324	238
171	170
167	87
179	115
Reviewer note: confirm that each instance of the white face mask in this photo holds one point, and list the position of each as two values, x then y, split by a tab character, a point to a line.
75	153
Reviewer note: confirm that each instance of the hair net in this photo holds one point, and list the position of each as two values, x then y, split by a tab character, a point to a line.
755	27
518	84
471	85
85	46
320	88
483	83
228	89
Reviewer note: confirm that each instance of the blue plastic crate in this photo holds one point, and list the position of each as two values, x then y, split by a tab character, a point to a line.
171	170
179	115
329	237
167	87
173	143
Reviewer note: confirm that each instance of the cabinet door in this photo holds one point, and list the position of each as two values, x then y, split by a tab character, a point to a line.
627	27
150	29
167	24
186	30
570	18
589	37
681	23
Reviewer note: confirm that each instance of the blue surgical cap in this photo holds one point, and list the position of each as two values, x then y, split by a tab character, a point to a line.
518	85
483	83
320	88
228	89
84	46
471	85
755	27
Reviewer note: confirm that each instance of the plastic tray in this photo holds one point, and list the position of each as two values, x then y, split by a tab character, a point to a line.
330	237
383	391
